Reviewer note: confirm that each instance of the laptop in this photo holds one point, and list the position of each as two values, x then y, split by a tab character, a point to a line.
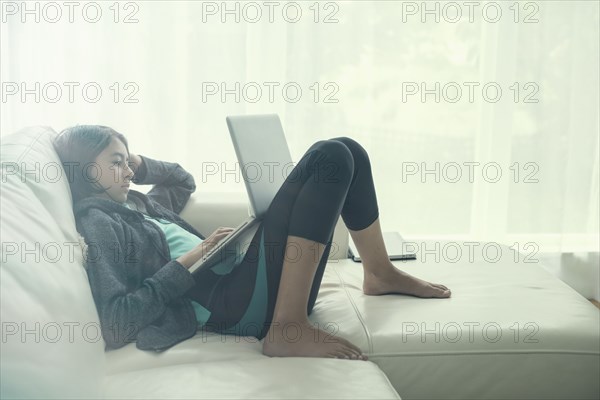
264	158
395	246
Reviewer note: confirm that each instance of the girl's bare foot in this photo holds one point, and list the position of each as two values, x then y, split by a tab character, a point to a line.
302	339
392	280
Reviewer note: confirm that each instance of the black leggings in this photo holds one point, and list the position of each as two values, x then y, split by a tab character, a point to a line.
332	178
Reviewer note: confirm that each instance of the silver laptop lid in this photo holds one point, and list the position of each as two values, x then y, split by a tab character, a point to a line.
264	157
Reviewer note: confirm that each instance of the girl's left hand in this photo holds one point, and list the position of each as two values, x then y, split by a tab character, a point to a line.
134	162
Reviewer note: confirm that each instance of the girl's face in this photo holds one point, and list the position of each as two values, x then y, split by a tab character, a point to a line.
113	172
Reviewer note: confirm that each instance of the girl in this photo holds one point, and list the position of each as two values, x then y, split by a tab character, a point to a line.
139	248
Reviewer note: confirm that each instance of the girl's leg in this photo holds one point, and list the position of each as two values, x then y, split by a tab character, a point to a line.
380	275
298	229
305	212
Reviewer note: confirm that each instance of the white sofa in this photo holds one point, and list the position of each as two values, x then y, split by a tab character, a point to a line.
510	329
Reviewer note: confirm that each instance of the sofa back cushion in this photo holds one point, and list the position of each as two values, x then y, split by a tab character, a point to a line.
51	341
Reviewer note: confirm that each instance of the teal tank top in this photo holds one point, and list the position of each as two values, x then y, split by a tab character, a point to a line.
180	241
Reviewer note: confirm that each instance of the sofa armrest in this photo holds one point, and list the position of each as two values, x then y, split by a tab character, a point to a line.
208	211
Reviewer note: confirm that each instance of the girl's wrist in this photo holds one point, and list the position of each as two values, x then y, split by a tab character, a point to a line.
188	259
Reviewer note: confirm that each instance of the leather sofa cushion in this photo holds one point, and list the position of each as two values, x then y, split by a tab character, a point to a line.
214	366
50	324
510	329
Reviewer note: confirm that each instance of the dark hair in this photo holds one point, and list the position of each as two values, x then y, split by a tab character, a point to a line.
77	147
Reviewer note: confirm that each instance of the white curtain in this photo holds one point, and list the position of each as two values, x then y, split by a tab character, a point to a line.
358	64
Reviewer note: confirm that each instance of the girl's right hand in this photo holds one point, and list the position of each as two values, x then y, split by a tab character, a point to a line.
188	259
214	239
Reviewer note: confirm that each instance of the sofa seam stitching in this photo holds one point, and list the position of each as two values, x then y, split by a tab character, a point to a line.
358	314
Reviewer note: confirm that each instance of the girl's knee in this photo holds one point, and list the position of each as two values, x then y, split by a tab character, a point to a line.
339	154
358	151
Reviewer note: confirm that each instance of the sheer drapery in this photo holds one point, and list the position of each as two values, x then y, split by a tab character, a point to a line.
452	156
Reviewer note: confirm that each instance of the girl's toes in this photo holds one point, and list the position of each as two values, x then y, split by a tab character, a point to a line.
340	354
435	289
439	292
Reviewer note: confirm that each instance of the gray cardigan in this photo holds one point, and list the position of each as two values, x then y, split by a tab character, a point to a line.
139	292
